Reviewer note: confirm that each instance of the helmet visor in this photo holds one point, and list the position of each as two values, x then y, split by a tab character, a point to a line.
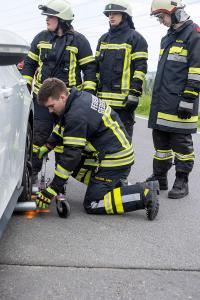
48	11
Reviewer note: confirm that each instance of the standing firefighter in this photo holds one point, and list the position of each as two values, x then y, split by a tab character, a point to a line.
174	106
96	152
57	52
122	63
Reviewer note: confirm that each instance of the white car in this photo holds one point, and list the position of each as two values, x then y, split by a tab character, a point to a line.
16	127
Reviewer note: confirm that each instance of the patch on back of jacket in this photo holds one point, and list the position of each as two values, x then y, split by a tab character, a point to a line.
198	29
98	105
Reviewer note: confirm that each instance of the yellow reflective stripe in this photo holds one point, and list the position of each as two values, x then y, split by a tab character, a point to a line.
118	201
61	172
89	147
112	95
59	149
91	85
97	53
108	204
33	56
35	148
51	191
190	92
86	60
72	69
146	191
87	177
72	49
111	163
136	55
114	126
194	70
115	46
120	154
69	140
117	103
185	157
44	46
176	119
161	52
139	74
125	84
29	79
178	50
57	130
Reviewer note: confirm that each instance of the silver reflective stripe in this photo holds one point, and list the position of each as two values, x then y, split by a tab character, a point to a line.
133	99
177	124
163	154
131	198
194	76
185	157
176	57
186	105
99	204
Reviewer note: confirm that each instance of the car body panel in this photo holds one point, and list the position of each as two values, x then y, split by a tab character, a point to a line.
15	107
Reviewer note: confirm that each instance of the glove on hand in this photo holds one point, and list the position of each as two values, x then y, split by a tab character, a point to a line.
185	110
45	197
131	102
42	151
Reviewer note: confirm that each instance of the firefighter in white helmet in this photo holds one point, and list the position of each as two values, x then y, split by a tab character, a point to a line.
121	63
57	52
175	99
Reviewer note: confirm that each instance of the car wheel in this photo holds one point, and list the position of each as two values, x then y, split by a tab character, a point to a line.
27	173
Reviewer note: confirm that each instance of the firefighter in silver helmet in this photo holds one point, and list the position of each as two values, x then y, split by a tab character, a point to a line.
174	106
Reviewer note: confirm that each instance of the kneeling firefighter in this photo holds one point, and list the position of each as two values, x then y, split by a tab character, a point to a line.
96	152
57	52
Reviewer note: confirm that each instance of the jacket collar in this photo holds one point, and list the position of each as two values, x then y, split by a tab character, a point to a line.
124	26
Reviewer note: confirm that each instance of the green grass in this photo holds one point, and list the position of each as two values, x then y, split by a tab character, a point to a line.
144	107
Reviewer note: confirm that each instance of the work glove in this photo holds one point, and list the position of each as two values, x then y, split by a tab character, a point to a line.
131	102
42	151
185	109
45	197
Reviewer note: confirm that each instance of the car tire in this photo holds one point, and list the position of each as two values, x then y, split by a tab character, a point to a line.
27	173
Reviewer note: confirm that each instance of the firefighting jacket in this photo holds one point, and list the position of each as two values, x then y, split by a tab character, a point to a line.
177	80
121	64
61	57
89	130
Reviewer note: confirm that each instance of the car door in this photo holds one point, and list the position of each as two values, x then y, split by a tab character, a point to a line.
11	112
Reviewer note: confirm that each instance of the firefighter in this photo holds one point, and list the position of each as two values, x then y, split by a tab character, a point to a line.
174	107
96	152
57	52
121	62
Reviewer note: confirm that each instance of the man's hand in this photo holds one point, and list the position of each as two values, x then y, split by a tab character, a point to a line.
45	197
185	110
131	102
42	151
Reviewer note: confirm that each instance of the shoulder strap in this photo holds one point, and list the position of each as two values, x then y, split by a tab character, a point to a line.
67	41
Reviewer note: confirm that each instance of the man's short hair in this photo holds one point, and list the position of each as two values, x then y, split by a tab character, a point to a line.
51	87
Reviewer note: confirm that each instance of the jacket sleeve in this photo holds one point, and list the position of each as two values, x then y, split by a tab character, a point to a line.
74	141
139	58
31	62
87	64
192	87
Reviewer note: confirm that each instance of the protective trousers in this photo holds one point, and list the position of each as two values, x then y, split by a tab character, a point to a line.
169	146
104	197
43	126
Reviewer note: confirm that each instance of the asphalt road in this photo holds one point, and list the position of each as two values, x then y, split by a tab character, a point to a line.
107	257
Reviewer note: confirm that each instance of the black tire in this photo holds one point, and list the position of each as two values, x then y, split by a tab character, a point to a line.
27	173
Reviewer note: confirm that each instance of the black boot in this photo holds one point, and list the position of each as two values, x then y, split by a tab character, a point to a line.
151	202
180	187
162	179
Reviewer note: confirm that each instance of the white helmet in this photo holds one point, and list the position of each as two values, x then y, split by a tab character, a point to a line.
58	8
122	6
165	6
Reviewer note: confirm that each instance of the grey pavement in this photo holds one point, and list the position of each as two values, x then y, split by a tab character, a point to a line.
107	257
